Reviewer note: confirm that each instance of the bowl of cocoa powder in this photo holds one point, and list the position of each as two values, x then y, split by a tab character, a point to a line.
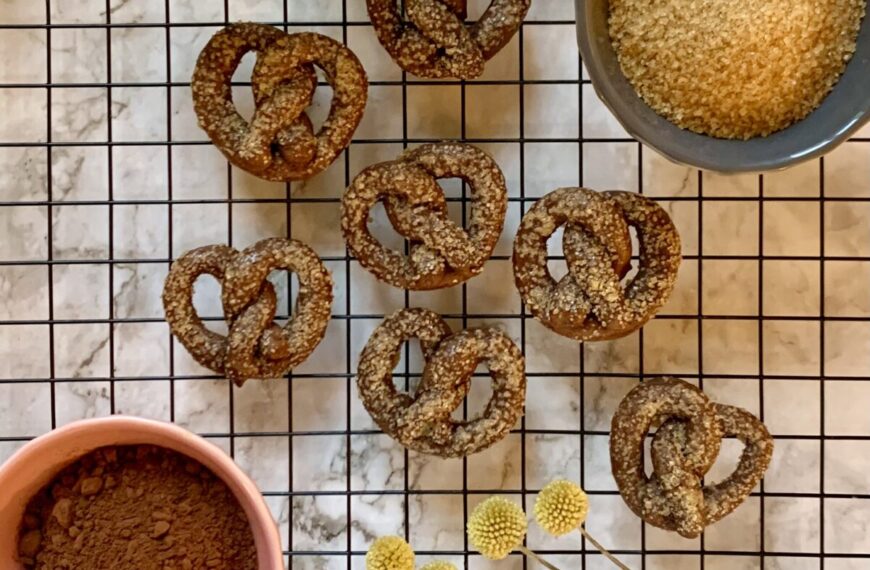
124	492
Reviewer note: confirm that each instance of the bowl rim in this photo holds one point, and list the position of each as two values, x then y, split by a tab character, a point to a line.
249	497
646	133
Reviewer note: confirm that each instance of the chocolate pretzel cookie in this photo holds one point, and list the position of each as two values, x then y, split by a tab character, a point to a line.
684	448
432	40
590	302
279	143
255	347
424	421
442	253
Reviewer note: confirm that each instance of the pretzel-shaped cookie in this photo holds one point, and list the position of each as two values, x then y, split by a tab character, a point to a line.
279	143
435	42
442	253
684	448
423	422
590	303
255	347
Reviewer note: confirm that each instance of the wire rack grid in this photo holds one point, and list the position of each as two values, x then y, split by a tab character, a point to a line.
771	311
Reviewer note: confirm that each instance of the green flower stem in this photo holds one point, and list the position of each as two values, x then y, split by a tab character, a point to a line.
603	550
540	560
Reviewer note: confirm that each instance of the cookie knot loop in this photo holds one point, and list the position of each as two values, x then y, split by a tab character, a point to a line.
684	448
591	302
279	142
442	253
423	421
255	347
434	41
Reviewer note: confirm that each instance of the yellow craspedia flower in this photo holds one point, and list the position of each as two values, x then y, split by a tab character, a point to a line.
390	553
497	527
561	507
439	565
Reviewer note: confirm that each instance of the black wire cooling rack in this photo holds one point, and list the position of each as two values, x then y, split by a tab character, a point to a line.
699	331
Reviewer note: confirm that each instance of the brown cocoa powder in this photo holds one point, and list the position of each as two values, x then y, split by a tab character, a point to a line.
136	507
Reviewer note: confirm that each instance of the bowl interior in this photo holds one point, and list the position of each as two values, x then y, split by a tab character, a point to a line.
843	112
34	465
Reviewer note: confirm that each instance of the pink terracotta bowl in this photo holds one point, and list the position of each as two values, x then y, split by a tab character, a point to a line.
35	464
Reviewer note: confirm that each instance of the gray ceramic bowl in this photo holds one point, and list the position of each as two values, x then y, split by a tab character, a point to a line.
842	113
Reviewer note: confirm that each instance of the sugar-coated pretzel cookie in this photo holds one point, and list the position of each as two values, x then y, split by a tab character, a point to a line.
442	253
590	302
423	421
432	40
279	143
255	347
684	447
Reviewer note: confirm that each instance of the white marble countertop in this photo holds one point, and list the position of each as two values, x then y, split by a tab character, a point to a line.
772	310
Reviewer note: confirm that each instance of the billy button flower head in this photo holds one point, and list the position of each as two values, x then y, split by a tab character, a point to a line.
497	527
390	553
562	507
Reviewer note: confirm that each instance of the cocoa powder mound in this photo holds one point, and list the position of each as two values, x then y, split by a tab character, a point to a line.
137	507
